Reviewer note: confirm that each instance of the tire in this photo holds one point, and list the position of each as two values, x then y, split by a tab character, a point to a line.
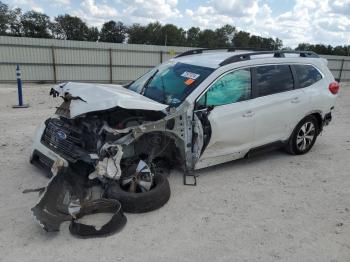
300	142
142	202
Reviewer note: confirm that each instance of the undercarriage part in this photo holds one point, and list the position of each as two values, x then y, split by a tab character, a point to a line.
162	166
160	149
115	224
147	201
138	178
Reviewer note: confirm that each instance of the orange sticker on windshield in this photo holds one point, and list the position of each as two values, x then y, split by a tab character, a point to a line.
189	81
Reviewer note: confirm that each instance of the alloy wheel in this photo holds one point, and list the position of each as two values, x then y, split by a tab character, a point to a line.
305	136
139	180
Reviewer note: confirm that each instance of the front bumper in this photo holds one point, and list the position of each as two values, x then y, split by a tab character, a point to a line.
41	155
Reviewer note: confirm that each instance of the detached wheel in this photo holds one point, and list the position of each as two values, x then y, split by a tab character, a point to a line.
140	191
303	137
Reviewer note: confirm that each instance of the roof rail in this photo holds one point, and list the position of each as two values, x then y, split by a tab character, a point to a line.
247	56
201	50
229	49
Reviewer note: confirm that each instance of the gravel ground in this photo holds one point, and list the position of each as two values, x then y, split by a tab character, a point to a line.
275	207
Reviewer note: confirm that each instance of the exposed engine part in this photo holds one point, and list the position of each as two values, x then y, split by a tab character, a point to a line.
109	167
57	165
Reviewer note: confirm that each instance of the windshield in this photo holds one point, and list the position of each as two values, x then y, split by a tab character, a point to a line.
170	83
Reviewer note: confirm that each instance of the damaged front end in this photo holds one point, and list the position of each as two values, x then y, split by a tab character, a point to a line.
113	138
124	138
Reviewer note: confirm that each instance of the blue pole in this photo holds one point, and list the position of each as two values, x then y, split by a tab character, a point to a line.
19	85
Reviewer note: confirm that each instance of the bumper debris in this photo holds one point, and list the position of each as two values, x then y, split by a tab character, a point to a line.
70	196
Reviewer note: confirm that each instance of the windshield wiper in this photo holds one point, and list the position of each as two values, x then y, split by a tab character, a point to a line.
143	90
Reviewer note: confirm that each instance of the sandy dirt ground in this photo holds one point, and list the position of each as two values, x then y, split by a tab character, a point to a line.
274	207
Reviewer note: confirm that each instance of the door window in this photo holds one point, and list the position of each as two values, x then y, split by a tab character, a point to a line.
274	79
231	88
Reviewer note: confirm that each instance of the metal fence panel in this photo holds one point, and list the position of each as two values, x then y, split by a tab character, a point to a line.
81	57
51	60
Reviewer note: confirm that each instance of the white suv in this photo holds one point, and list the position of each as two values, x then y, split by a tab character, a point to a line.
201	108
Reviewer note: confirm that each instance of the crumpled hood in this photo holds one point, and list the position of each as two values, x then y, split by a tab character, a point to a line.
87	97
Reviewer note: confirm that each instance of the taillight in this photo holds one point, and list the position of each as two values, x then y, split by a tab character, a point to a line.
334	87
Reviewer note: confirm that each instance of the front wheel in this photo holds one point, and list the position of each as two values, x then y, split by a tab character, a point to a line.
303	137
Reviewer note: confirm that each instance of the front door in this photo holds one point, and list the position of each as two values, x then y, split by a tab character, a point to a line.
229	124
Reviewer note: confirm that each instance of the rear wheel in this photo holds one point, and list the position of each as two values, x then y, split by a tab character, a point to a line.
303	137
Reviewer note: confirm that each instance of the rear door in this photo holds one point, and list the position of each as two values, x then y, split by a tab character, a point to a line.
309	81
278	105
230	126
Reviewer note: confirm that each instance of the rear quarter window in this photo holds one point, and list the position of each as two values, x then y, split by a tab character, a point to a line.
307	75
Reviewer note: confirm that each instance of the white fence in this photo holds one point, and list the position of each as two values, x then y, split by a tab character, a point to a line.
49	60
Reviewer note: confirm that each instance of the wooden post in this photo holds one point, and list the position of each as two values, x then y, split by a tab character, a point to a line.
110	66
161	56
54	64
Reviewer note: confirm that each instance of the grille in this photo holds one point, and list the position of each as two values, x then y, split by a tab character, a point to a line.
61	139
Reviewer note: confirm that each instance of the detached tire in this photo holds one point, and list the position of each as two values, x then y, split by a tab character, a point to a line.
151	200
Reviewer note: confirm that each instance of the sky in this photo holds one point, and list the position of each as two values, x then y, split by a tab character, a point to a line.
294	21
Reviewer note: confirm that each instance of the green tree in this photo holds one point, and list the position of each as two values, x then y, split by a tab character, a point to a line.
154	34
57	31
341	50
171	35
241	39
4	18
319	48
113	32
93	34
224	36
36	25
278	44
303	47
207	39
192	38
72	28
136	34
15	27
151	34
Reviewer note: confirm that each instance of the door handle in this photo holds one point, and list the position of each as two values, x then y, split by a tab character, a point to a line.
248	114
295	100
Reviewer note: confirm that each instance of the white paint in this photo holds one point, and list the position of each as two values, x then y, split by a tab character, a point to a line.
239	127
96	97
